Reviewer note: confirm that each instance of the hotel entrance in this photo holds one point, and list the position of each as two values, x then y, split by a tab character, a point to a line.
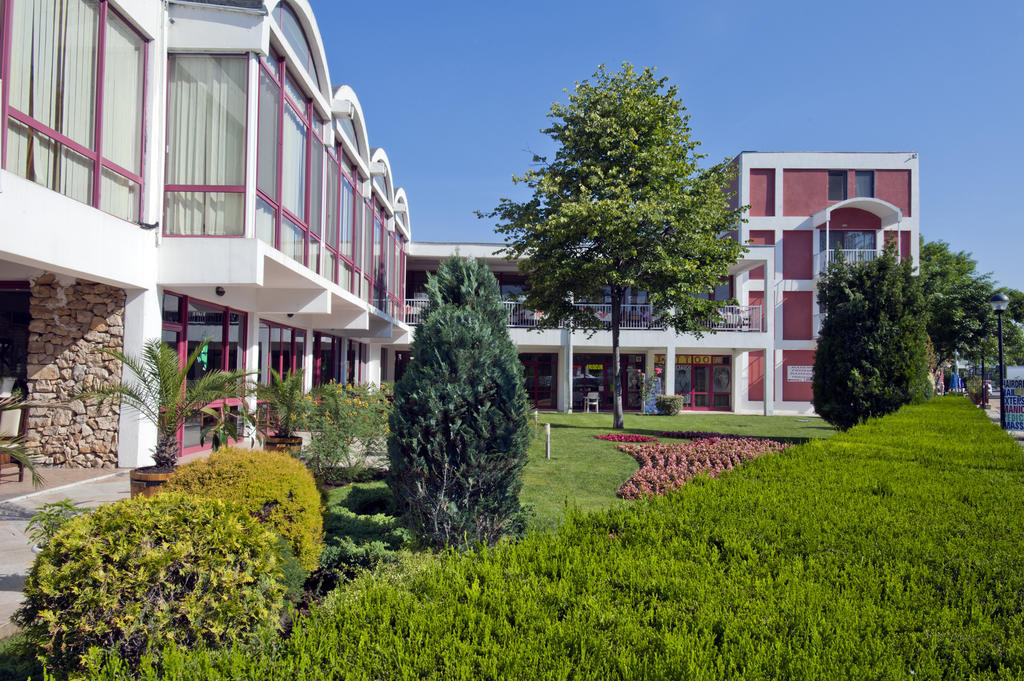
595	373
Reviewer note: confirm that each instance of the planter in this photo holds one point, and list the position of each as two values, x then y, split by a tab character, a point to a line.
277	443
146	484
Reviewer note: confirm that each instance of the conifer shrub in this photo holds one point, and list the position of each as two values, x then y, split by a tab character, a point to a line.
459	429
871	357
668	405
135	575
273	487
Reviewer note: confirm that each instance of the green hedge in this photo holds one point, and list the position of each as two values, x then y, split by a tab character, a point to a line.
894	550
273	487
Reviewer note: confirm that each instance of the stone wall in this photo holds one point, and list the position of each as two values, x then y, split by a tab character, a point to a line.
71	322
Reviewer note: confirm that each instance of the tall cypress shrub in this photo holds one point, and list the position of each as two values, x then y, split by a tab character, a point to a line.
459	429
871	357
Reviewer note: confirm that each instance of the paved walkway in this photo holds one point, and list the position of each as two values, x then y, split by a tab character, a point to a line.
85	487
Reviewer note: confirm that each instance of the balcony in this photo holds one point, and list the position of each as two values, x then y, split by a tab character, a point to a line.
852	256
745	318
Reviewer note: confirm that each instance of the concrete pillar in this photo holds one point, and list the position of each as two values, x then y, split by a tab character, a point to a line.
769	382
670	370
565	394
136	439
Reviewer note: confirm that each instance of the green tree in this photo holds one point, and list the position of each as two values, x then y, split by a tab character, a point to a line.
957	303
871	356
459	428
623	204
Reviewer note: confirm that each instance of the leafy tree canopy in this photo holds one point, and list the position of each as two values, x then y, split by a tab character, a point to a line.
623	204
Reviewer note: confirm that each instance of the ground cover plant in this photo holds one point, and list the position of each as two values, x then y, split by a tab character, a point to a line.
626	437
667	467
889	551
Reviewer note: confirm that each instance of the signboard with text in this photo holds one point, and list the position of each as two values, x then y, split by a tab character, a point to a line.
799	374
1013	401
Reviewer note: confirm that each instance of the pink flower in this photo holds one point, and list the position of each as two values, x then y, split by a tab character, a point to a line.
657	371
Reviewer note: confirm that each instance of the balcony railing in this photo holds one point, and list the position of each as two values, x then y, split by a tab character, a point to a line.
852	256
634	317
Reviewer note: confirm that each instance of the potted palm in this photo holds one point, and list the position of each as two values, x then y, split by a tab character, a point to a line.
159	390
285	401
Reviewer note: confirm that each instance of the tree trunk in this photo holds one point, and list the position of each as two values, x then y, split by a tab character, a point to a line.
166	454
618	421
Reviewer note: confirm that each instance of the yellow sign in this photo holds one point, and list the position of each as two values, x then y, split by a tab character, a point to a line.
701	359
659	359
595	367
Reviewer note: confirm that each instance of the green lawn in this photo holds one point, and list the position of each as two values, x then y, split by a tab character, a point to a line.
585	472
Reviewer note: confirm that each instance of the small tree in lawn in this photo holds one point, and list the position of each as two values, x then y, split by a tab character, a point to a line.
459	428
623	205
871	357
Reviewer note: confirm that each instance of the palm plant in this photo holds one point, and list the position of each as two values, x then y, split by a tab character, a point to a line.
284	394
161	393
13	446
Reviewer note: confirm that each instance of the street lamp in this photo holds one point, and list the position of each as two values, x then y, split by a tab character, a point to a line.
1000	302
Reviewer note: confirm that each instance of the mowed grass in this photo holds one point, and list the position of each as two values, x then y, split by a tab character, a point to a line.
584	473
892	551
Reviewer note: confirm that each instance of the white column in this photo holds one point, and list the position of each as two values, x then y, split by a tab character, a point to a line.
670	370
136	438
565	394
769	382
769	353
307	361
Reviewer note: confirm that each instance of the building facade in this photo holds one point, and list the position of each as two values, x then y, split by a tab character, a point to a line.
188	170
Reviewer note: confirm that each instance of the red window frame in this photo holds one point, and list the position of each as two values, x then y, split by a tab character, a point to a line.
207	188
298	360
98	161
346	173
180	327
337	359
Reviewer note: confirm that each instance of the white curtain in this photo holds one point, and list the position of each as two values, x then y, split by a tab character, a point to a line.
270	101
293	164
331	211
122	95
53	80
206	139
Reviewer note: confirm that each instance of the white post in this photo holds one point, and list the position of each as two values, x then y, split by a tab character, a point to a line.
669	377
136	439
547	441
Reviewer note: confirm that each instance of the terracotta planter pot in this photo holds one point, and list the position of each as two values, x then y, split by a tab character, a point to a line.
282	444
147	484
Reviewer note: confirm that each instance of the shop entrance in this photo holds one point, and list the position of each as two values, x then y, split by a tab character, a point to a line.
595	373
703	381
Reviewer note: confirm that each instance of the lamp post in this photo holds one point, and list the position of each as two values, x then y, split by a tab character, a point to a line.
1000	302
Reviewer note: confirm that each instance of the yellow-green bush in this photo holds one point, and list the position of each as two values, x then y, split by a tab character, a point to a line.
273	487
139	574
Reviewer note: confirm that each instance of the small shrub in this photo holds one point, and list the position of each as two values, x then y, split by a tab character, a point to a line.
974	387
626	437
273	487
48	520
348	425
668	405
132	576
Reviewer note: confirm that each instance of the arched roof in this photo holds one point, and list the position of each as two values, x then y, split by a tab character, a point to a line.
307	20
346	104
402	208
381	157
888	213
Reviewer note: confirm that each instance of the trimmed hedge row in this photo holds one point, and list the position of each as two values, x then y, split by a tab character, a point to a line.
894	550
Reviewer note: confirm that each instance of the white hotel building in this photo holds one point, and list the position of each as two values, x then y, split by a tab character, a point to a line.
187	169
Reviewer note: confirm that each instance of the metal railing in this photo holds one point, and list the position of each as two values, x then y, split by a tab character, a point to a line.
746	318
737	318
852	256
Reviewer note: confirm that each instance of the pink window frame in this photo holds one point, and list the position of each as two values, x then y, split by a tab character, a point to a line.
296	361
181	328
98	161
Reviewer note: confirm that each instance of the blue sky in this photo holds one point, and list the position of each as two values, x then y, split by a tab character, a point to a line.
456	92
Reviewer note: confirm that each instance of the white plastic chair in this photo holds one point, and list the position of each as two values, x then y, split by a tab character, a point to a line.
593	399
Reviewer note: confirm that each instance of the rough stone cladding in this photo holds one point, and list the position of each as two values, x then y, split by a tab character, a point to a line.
71	322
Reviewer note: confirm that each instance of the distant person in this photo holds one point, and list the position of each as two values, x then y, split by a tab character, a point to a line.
986	392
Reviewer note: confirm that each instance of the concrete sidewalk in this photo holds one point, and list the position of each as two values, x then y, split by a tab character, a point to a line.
89	489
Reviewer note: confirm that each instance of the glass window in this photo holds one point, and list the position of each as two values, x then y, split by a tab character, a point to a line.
331	203
293	164
864	183
292	241
345	239
316	190
206	145
837	185
122	95
270	96
205	323
296	37
266	217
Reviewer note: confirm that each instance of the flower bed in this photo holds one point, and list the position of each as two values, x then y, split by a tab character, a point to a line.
703	435
664	468
626	437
